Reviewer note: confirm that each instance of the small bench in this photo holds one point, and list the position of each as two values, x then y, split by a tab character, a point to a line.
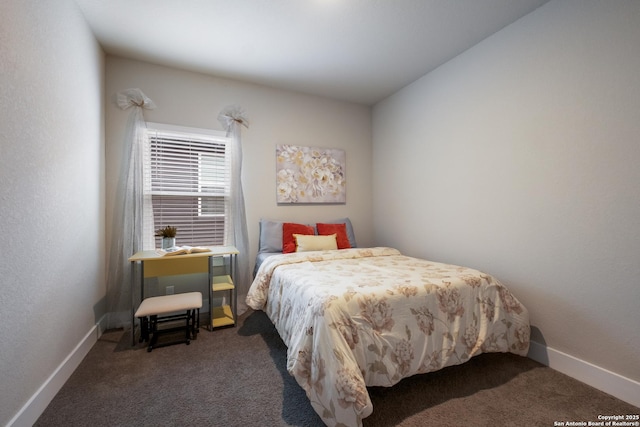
169	308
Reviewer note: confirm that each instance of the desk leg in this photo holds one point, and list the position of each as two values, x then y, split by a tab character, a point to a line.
233	261
210	286
133	303
140	265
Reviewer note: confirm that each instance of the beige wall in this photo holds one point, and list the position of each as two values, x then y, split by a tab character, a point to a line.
51	193
520	158
276	117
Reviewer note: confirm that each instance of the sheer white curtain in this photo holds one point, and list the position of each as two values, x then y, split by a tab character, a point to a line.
232	118
126	231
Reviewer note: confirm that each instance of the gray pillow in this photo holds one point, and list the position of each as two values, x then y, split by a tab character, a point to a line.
270	236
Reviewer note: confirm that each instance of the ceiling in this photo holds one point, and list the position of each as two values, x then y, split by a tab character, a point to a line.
354	50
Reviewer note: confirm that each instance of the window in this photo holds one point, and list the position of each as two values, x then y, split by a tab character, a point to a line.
187	174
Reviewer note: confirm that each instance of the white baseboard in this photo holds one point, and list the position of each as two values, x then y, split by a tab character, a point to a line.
609	382
32	410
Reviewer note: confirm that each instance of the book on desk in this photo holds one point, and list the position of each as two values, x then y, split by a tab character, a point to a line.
182	250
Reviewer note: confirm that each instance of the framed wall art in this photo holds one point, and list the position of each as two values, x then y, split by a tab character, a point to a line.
310	175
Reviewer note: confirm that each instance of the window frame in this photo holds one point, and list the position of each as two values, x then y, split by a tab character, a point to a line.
196	136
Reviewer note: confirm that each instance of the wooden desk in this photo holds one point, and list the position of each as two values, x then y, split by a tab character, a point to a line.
152	263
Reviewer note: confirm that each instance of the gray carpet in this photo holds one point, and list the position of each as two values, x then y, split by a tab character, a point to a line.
237	377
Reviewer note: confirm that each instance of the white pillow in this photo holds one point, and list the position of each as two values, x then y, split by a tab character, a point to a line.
306	242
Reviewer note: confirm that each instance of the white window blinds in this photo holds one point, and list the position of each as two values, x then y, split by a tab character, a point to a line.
187	176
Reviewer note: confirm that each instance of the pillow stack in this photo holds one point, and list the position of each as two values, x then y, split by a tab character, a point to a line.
295	237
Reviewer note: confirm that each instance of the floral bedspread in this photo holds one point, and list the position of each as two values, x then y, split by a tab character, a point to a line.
354	318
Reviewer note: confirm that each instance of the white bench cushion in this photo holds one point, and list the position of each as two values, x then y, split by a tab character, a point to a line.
169	303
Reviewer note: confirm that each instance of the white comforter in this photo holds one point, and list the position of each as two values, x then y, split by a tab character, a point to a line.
354	318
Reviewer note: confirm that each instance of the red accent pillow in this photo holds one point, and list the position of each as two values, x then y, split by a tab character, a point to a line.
288	230
340	231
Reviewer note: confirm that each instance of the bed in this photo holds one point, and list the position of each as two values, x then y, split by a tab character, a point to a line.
358	317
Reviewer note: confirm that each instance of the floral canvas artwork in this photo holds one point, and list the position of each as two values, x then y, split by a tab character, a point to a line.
310	174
